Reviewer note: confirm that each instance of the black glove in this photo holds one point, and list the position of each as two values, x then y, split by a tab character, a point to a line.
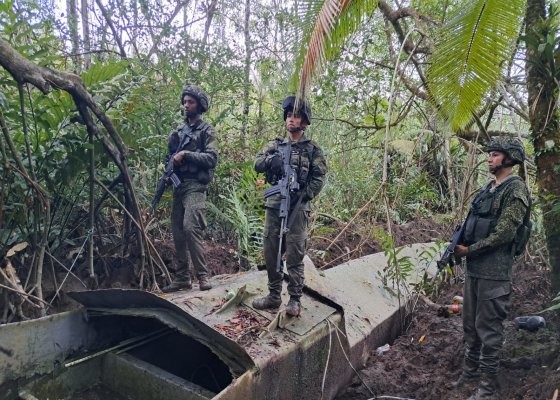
275	164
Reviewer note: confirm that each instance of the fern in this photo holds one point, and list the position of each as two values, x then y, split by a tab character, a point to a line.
398	268
245	214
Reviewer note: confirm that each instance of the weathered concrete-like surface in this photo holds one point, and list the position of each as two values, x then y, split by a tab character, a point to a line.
347	313
38	346
140	380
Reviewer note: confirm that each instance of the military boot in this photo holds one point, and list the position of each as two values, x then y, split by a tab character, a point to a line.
266	302
486	389
470	374
294	307
203	284
181	282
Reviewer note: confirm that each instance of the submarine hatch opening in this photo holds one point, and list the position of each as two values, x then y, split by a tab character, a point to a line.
135	358
186	358
174	352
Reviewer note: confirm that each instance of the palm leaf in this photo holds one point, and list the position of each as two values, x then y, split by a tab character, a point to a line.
333	23
469	55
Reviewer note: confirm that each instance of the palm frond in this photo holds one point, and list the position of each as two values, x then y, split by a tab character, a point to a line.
469	55
334	22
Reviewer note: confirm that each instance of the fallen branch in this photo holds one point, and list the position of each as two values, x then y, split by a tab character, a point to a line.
26	295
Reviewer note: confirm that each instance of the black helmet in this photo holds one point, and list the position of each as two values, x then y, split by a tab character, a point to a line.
512	147
303	109
198	94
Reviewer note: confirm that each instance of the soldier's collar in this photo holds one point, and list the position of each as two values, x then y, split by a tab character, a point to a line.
195	123
506	179
302	139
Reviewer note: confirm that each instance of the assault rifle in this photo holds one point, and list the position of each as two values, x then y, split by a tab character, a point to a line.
285	186
169	176
447	256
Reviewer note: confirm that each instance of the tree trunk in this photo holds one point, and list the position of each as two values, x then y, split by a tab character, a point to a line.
72	15
247	71
449	171
85	32
116	34
211	10
134	36
209	17
543	119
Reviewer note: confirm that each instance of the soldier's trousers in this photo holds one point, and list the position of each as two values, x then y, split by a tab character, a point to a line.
293	246
188	221
485	307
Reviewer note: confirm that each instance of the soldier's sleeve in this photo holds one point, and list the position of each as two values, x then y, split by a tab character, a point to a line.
207	157
515	206
261	160
172	144
317	174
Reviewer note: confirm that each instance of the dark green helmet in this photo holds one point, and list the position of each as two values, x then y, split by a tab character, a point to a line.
198	94
303	109
512	147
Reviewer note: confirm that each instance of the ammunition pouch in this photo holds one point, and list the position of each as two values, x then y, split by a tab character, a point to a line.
480	222
477	228
193	172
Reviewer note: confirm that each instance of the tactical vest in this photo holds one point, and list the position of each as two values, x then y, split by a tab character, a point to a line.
486	208
300	160
186	138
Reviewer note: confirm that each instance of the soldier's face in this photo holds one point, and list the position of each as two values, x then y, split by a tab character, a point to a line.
190	106
495	161
293	123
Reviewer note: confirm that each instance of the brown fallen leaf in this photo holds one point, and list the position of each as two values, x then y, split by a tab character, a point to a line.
16	249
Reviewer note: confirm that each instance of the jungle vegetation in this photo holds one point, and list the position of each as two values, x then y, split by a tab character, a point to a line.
404	95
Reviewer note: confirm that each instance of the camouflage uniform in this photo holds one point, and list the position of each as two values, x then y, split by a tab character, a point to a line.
490	229
309	163
188	216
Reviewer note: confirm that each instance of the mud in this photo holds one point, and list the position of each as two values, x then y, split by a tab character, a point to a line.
422	363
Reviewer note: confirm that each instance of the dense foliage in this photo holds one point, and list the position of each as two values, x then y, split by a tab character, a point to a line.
377	132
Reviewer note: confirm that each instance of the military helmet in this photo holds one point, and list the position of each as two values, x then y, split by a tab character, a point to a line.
512	147
303	109
198	94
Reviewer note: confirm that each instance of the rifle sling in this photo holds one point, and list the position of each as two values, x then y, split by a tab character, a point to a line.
186	137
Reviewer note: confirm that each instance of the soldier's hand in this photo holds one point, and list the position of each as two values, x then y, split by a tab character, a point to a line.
178	158
275	164
461	251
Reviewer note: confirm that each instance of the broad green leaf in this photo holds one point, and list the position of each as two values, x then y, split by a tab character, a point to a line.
470	54
329	25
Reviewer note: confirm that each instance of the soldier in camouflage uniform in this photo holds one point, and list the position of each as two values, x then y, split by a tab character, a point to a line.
309	163
194	149
497	213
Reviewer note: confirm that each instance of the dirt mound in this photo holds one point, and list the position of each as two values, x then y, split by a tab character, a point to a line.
423	362
334	243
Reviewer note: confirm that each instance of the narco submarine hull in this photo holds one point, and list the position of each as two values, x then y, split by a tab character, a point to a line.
133	344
